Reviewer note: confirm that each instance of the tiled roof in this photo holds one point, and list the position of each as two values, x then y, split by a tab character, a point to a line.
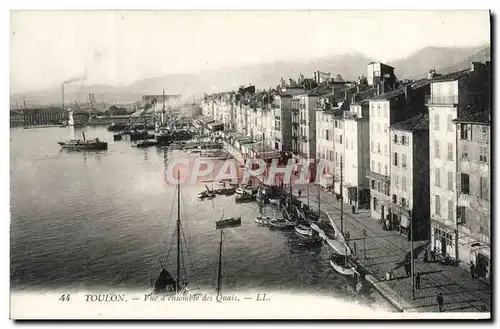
452	76
417	122
483	117
394	93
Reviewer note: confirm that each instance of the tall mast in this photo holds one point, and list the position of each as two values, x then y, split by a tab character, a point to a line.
219	272
319	201
178	234
62	89
341	196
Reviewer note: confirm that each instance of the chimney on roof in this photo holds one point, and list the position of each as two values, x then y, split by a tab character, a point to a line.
432	74
408	91
475	66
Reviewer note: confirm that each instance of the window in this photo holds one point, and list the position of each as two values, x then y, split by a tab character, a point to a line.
450	180
327	135
436	121
378	127
385	111
378	148
436	149
465	151
403	183
403	140
449	122
375	204
340	139
386	170
336	125
461	215
395	139
379	167
386	127
394	198
437	202
373	147
450	209
464	183
403	160
437	177
373	184
483	188
379	186
395	159
484	134
483	151
450	152
346	143
386	150
373	165
403	202
465	131
396	180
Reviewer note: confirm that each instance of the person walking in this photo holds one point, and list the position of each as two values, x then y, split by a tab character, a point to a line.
472	269
417	281
353	209
440	302
300	193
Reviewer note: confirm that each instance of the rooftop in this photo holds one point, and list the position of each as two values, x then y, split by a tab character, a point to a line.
483	117
417	122
452	76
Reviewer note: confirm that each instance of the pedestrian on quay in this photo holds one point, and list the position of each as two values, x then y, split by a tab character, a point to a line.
472	269
440	302
417	281
300	193
353	209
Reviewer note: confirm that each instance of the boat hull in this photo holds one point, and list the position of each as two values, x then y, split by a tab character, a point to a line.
96	146
230	222
341	269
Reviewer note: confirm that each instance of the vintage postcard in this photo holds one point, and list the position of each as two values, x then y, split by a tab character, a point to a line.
250	164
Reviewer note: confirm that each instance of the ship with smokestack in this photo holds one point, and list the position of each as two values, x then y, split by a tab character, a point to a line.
79	144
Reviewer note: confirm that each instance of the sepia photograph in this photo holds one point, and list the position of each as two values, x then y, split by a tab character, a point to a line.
250	164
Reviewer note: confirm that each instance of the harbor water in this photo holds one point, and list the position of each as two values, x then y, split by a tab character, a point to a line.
105	219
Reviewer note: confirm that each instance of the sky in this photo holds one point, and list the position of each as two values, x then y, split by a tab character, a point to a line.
119	47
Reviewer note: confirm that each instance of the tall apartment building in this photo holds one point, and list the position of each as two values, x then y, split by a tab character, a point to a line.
453	95
474	190
385	110
409	181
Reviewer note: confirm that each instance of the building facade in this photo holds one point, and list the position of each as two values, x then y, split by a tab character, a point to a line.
451	96
409	182
474	190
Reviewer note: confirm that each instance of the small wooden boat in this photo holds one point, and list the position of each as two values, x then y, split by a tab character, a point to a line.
342	265
310	242
302	228
274	200
280	223
240	191
146	143
263	220
244	198
206	194
228	222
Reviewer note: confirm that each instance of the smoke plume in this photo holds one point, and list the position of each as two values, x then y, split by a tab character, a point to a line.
77	79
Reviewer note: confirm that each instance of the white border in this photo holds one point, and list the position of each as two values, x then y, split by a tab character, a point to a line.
184	4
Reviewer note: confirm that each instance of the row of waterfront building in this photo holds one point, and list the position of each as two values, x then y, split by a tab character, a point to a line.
416	153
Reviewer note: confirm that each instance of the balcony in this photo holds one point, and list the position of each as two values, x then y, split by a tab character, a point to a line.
441	100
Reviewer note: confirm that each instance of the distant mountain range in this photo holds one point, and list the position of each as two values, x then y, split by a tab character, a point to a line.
349	66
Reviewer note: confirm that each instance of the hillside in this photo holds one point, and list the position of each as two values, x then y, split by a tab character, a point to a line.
264	75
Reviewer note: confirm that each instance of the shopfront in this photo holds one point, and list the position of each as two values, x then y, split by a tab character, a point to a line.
443	240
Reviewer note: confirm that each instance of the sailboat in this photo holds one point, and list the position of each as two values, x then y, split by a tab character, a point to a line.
339	260
166	283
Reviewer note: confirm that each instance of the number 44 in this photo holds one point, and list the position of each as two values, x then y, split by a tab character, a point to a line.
64	298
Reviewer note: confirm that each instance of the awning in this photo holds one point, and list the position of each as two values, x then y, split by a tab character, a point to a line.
405	222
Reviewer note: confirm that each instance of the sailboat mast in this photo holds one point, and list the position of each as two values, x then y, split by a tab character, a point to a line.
319	201
219	271
341	195
178	235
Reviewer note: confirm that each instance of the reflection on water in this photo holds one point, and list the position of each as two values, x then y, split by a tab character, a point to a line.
94	219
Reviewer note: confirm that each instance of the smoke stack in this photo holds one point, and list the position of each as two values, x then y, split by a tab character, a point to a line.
62	89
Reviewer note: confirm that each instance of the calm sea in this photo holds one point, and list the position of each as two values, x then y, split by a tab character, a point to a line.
88	220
